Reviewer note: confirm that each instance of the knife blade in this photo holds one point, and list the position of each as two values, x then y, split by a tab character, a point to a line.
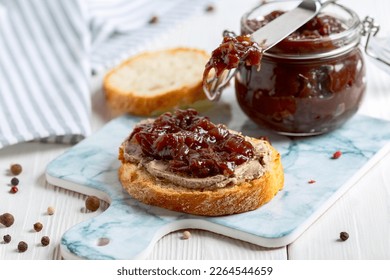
282	26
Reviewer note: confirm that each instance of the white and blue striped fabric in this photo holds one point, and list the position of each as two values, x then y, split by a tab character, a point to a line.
48	49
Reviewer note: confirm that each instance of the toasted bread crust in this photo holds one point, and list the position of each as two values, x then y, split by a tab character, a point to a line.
136	103
239	198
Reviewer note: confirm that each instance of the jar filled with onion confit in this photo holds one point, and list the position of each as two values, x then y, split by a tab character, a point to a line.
310	83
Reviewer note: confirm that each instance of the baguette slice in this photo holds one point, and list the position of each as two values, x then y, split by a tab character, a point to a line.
156	81
243	197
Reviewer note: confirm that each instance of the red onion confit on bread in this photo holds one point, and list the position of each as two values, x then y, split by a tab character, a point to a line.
198	167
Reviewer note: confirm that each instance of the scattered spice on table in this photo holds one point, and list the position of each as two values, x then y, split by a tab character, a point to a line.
186	234
38	226
336	155
22	246
210	8
50	210
344	236
7	219
45	240
16	169
14	189
7	238
14	181
153	20
92	203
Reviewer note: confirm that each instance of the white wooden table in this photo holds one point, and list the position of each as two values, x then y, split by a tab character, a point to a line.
364	211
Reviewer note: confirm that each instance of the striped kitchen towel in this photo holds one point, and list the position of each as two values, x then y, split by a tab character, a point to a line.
130	31
44	65
48	49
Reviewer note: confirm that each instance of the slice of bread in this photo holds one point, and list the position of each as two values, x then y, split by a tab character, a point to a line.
231	199
156	81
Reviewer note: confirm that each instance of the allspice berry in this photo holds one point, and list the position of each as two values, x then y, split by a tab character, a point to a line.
22	246
7	219
38	226
344	236
16	169
7	238
45	240
92	203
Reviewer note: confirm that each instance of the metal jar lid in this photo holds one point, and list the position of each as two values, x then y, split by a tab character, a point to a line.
342	42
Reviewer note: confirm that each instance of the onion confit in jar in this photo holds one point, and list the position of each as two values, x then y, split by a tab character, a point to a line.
311	82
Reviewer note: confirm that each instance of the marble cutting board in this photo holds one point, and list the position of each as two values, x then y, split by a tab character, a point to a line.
129	229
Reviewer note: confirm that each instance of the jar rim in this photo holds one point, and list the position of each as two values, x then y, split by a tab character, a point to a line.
351	35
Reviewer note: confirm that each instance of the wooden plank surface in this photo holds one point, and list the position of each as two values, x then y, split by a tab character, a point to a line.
363	212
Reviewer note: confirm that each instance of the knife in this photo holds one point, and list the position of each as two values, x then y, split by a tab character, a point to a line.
268	36
282	26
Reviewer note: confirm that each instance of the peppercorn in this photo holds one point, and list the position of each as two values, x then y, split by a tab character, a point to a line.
38	226
16	169
45	240
7	219
22	246
50	210
153	20
92	203
7	238
344	235
14	189
186	234
336	155
210	8
14	181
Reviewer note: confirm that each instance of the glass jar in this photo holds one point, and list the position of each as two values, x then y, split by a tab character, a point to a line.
308	85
